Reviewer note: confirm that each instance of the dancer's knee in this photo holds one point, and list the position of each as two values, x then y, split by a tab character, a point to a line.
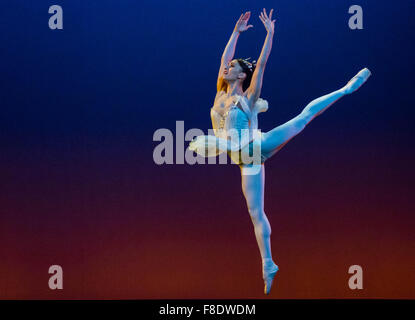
255	213
302	120
259	219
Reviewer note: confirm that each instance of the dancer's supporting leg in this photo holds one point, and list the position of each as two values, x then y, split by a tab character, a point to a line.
253	190
274	140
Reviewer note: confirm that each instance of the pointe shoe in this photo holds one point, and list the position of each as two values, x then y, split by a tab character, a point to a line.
357	81
268	276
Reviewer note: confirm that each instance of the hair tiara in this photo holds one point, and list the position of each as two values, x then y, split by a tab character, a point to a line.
248	64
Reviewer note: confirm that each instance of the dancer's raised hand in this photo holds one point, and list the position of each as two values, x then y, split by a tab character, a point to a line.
266	20
242	23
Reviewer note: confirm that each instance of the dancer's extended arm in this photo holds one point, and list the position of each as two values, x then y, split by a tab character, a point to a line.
229	52
254	90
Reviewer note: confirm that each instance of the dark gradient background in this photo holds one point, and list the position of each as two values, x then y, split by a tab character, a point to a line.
79	188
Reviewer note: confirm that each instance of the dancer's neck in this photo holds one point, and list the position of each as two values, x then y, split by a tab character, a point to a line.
234	89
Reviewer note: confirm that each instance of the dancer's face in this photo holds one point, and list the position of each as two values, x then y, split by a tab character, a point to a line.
233	71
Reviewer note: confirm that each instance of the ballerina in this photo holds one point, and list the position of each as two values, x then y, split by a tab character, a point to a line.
236	107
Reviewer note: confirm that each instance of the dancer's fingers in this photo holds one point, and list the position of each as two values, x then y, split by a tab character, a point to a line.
265	13
268	17
270	14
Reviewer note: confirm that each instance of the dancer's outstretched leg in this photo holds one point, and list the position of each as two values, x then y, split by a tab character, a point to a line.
253	190
272	141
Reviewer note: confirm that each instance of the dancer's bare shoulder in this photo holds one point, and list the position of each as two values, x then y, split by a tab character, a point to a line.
219	95
223	101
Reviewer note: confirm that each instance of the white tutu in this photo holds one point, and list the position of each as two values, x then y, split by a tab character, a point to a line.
212	146
208	146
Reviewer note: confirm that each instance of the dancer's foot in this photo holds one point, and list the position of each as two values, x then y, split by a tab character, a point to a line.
268	273
357	81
